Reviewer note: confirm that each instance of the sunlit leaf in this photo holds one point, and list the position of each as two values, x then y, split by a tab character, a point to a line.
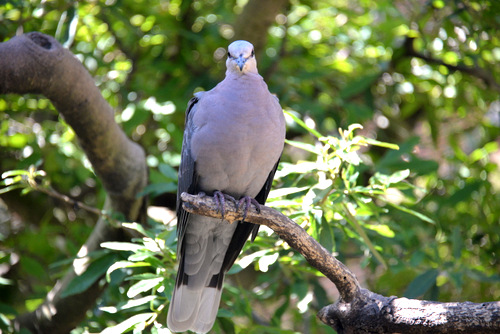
266	261
375	142
383	230
126	325
281	192
16	172
122	265
143	286
398	176
139	228
122	246
127	305
304	146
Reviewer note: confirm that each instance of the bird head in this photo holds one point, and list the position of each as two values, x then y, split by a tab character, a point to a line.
241	57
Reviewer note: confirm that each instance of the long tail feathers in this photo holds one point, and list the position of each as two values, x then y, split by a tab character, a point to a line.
208	251
194	310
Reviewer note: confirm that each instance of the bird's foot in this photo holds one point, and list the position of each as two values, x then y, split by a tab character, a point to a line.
220	200
247	201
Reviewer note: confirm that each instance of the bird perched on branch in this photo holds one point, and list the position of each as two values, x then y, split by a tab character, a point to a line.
233	139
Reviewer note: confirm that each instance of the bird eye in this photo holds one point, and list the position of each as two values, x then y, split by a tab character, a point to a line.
253	53
229	55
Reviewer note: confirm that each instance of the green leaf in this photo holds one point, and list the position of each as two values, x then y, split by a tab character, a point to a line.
398	176
17	140
383	230
316	194
130	323
122	265
266	261
33	267
282	192
301	167
375	142
359	230
6	281
10	188
128	304
302	124
7	309
95	271
412	212
421	284
16	172
304	146
143	276
484	151
350	157
139	228
141	256
326	236
32	304
168	171
122	246
465	193
245	261
367	190
143	286
276	319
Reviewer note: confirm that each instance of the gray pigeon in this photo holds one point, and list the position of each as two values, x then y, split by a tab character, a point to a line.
233	139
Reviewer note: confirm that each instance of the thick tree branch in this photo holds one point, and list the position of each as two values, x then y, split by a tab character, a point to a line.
373	313
360	310
37	63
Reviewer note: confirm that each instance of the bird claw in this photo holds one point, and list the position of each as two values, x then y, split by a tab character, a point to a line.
220	200
247	201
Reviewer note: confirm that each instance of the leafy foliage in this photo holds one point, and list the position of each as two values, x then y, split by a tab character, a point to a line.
422	75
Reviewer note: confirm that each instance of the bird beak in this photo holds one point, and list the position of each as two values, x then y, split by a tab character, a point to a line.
240	61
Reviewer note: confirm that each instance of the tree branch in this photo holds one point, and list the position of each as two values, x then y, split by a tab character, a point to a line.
37	63
288	230
360	310
373	313
476	71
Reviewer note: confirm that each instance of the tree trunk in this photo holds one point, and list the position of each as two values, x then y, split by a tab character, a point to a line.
37	63
257	16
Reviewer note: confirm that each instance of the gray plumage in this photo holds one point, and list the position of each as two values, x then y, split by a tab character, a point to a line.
233	139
